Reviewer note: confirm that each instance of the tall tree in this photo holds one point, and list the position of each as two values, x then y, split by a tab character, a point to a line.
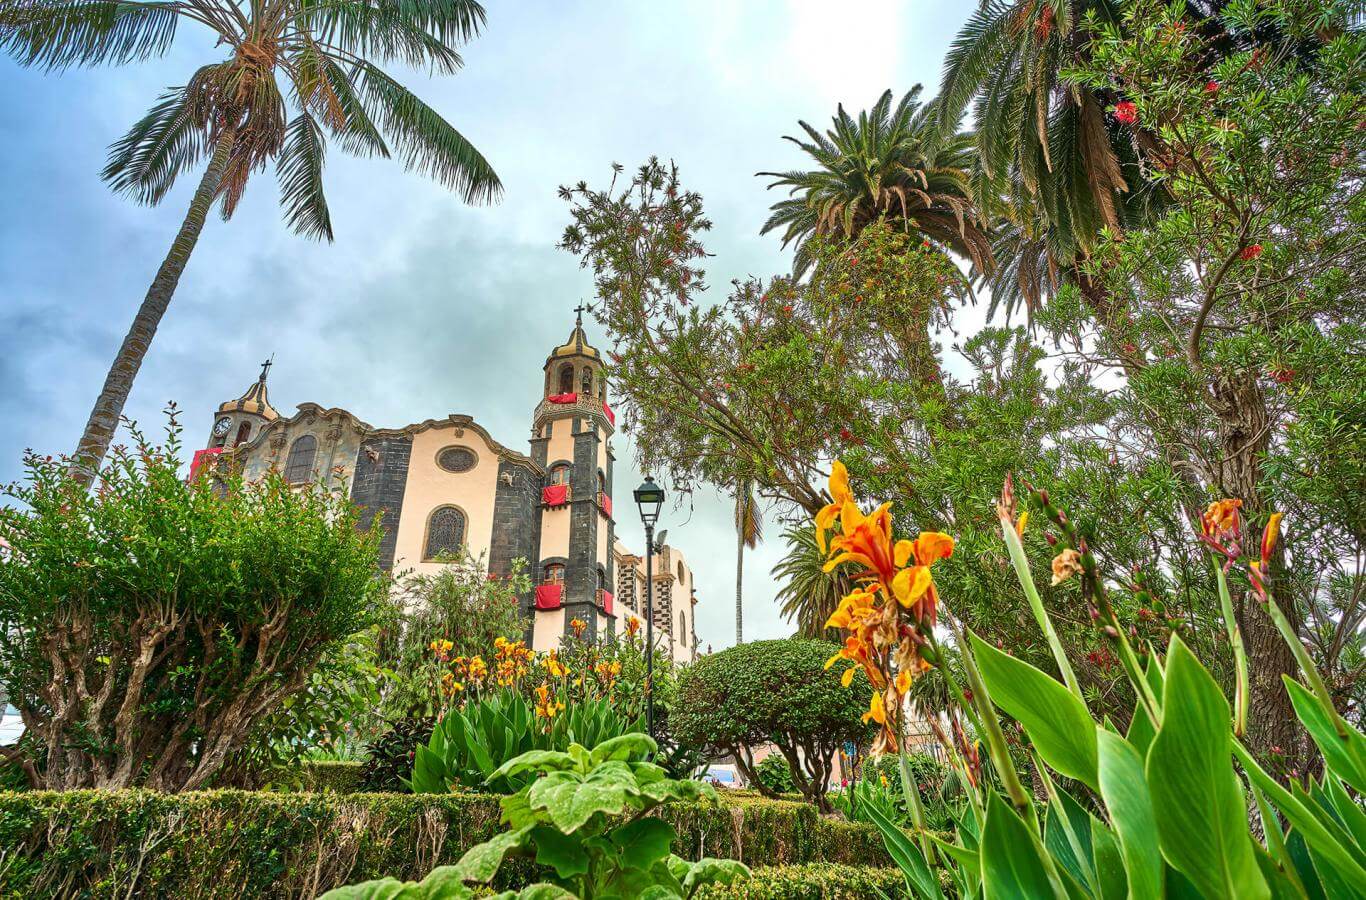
893	162
322	59
748	533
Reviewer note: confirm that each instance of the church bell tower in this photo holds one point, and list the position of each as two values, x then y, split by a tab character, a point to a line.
571	441
238	421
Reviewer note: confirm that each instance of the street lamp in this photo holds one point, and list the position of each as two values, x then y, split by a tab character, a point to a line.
649	498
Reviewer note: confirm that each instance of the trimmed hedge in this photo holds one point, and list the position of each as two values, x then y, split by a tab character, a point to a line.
261	844
310	776
811	882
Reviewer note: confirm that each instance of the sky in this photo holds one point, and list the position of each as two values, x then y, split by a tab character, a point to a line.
423	306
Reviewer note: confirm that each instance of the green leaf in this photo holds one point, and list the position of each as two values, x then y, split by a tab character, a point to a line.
545	892
571	803
1346	757
535	760
1067	836
643	842
480	862
905	854
1059	725
1141	728
1111	880
1197	799
626	747
1012	858
562	852
1124	788
713	871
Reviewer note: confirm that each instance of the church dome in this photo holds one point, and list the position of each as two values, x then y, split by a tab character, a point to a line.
577	345
253	401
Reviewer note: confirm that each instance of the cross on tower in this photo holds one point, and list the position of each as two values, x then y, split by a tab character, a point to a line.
578	314
265	367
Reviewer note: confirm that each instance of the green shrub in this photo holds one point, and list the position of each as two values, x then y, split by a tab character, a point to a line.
150	628
468	745
810	882
775	774
316	776
772	692
246	844
389	758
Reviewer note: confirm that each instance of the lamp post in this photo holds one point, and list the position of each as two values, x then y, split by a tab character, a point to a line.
649	498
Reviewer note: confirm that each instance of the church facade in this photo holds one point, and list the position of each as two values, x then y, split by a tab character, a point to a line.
444	485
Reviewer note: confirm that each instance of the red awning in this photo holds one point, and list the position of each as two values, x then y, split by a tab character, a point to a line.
563	398
555	494
606	598
611	416
548	596
200	457
605	502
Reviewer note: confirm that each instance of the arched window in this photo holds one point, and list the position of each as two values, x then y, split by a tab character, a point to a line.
602	578
560	474
554	574
587	382
682	627
602	482
566	379
445	532
243	432
299	466
680	571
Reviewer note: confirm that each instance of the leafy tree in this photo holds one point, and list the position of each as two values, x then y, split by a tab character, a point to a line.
231	116
148	630
806	593
771	692
775	774
889	163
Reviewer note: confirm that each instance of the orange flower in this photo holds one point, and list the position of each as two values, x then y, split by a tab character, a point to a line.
877	710
903	683
1270	536
1065	565
853	609
866	540
840	495
913	586
1220	519
632	626
857	650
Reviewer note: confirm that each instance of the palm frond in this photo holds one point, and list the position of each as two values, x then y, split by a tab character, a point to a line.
300	170
145	162
55	34
807	594
427	143
415	34
749	522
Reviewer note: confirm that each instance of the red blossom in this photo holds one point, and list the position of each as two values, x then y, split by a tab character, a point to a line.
1250	253
1126	112
788	309
1211	87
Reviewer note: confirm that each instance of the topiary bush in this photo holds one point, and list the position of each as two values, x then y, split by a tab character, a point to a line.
775	774
389	758
775	692
810	882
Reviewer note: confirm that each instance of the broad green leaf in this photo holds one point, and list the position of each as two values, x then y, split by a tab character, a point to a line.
643	842
713	871
1282	888
545	892
1111	882
1058	724
1346	757
961	855
905	854
535	760
480	862
1067	836
380	889
625	747
1141	729
1336	884
1348	812
1124	789
1304	865
1197	798
1304	821
562	852
1013	864
572	803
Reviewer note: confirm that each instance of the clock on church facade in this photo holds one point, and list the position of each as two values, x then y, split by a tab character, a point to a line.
442	485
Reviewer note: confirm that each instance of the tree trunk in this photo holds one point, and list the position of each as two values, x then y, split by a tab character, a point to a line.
739	582
1244	435
104	418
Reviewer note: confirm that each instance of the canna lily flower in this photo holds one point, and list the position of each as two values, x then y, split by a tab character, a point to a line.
903	683
1020	524
1220	520
1270	536
866	540
839	495
1065	565
853	609
857	650
913	586
877	710
632	626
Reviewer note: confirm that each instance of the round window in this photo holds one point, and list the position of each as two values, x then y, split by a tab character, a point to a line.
456	459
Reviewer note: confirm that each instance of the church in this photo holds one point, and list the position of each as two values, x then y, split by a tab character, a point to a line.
442	485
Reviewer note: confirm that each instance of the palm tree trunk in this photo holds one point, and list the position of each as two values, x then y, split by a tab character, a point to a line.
104	418
739	583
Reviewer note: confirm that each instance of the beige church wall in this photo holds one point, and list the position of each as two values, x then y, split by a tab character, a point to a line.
429	487
334	464
555	532
547	630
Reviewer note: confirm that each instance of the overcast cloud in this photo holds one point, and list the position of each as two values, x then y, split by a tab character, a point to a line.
424	307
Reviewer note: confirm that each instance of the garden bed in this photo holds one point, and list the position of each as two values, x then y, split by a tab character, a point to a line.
262	844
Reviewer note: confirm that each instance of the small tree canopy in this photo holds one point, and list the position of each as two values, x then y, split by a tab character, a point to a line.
772	692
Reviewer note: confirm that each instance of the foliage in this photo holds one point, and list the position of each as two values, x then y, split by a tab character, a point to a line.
807	593
459	604
879	785
469	746
890	162
1175	808
312	775
770	692
389	757
584	815
774	774
258	845
810	882
152	628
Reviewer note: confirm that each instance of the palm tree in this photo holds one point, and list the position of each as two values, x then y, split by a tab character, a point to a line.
893	162
749	532
807	594
319	58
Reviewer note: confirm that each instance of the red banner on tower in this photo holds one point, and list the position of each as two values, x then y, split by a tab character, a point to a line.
605	502
548	596
200	457
611	416
563	398
555	494
606	599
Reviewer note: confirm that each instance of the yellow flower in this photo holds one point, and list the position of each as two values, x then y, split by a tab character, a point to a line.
1270	536
903	683
1020	524
866	540
877	711
839	495
1065	565
853	608
1220	519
